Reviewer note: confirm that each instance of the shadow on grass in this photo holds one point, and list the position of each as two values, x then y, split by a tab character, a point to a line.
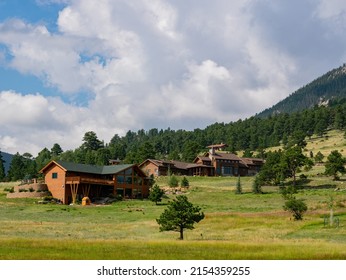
319	187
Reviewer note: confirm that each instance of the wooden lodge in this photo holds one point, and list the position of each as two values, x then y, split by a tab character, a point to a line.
228	164
216	162
71	181
164	167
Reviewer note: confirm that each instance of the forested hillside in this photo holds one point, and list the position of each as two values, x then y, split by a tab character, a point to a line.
6	160
330	86
252	135
313	109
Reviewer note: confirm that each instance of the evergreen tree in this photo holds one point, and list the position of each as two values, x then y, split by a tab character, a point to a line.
238	189
180	214
145	151
335	164
2	168
91	142
17	168
271	172
56	150
292	160
156	194
184	182
173	181
296	206
43	158
319	157
256	186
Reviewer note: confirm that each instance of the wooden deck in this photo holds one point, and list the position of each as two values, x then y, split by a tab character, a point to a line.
86	180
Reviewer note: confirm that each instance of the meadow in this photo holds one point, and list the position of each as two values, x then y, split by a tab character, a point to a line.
236	226
245	226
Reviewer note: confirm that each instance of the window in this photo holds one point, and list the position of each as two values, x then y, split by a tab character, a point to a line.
54	175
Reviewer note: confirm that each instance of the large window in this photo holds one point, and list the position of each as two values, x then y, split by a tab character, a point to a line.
54	175
226	170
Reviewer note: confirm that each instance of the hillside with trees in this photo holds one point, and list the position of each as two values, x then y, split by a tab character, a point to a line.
330	86
252	135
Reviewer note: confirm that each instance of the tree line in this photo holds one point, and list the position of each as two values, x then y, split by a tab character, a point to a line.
251	135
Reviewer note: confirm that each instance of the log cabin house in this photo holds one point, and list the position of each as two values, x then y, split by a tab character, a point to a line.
216	162
228	164
71	181
164	167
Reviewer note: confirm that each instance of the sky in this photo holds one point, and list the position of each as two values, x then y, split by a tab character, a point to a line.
110	66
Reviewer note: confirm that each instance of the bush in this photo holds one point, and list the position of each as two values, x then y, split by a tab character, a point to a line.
173	181
184	183
256	186
296	206
31	189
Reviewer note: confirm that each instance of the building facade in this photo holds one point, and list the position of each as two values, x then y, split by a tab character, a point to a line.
71	181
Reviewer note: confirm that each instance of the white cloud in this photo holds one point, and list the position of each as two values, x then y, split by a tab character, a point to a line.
160	63
331	9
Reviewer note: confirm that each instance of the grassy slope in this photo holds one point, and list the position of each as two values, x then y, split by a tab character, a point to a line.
246	226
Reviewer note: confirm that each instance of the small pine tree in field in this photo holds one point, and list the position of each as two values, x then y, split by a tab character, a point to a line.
156	194
296	206
238	189
173	181
184	183
256	186
180	214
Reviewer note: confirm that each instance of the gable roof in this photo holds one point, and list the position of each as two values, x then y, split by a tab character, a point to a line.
253	161
174	164
157	162
88	168
225	155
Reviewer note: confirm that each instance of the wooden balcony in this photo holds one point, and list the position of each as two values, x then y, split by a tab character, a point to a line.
87	180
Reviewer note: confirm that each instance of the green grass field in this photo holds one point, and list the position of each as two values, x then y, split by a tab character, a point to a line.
246	226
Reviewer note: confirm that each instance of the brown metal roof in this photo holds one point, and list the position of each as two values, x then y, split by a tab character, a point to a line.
226	156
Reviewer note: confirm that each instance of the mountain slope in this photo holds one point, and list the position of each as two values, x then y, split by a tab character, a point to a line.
7	158
329	86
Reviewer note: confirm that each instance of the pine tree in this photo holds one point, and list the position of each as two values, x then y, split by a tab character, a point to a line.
238	189
156	194
2	168
335	164
17	168
180	214
256	186
184	182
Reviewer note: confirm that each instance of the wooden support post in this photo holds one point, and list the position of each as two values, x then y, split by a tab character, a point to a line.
86	190
74	191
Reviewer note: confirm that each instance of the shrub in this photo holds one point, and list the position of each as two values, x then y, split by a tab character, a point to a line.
31	189
185	183
173	181
296	206
11	190
256	186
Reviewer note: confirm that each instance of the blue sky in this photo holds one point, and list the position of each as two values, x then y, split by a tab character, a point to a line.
71	66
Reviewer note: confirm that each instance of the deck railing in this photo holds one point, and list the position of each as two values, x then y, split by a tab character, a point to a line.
88	180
